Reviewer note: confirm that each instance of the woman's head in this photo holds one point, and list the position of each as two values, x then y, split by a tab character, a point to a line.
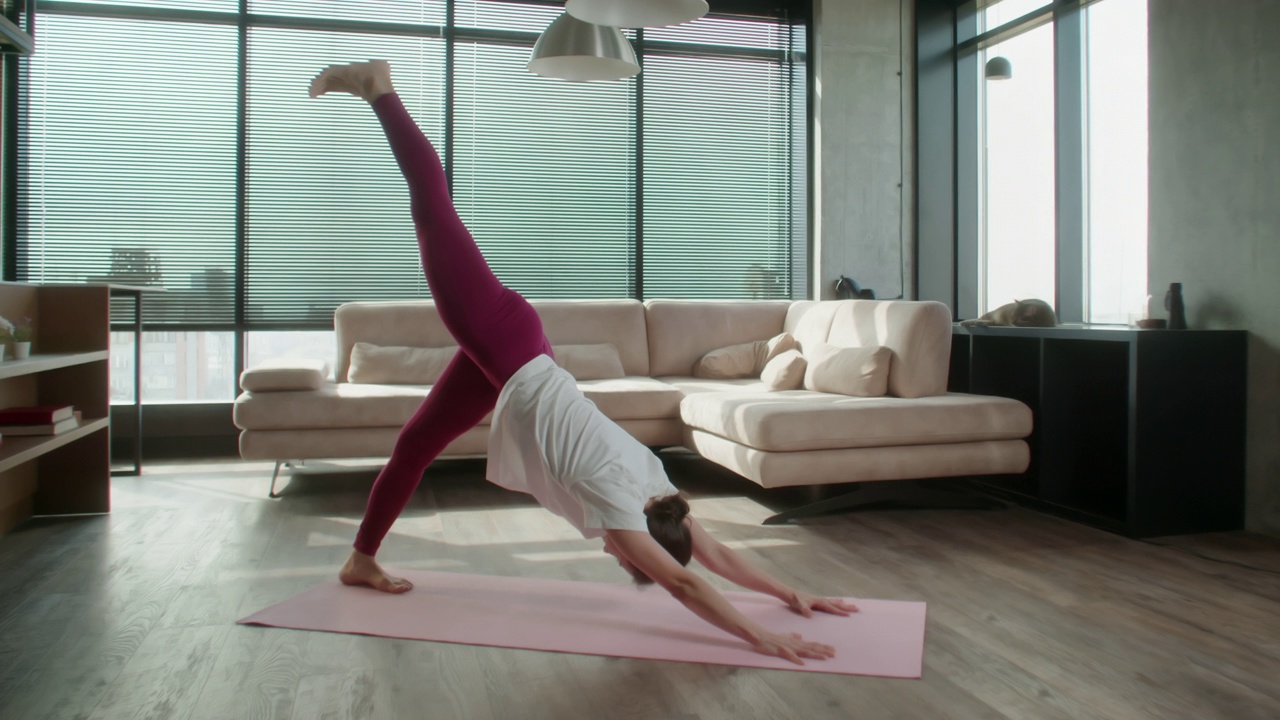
665	517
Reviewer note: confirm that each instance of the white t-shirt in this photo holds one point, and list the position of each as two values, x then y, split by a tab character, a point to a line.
547	439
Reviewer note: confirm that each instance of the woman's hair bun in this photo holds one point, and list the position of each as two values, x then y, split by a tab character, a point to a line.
672	508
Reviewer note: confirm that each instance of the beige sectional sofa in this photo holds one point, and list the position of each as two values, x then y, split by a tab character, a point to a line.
294	410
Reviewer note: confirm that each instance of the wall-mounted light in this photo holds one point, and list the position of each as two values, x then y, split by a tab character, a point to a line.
636	13
570	49
999	68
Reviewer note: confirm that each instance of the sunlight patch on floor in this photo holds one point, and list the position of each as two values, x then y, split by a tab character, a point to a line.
218	492
319	539
508	526
562	555
127	498
735	510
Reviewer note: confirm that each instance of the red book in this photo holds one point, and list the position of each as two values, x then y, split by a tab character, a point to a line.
36	414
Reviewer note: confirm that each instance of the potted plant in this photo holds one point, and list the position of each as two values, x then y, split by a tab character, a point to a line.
6	335
22	339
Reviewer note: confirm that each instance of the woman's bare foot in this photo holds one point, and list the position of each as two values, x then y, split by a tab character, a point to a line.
367	80
362	569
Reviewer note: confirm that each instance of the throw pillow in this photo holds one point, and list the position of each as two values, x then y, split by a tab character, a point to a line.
861	372
744	360
285	374
784	372
590	362
772	348
395	365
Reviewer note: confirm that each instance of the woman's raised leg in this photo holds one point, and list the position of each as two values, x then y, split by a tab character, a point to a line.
492	323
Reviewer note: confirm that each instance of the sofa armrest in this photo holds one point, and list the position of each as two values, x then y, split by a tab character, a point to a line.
285	374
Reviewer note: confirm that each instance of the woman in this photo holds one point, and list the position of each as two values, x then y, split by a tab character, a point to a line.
546	438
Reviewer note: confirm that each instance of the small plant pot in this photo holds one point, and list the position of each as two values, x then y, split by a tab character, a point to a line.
21	350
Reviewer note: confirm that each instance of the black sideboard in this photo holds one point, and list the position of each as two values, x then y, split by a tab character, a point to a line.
1141	432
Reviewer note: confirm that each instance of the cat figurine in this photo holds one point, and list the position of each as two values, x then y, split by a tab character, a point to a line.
1019	313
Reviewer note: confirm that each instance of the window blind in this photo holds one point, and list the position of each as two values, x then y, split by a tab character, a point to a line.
718	144
127	168
687	181
327	211
544	175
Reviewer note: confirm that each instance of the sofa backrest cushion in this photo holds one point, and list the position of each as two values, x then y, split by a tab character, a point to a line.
809	321
396	365
619	323
918	333
590	362
682	331
415	323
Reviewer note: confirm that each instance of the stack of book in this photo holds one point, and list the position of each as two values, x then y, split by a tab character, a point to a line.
38	420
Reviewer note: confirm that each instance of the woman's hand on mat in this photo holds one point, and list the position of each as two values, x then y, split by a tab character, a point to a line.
791	646
805	604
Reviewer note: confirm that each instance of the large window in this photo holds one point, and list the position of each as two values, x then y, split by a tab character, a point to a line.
194	161
1058	209
1018	218
1116	63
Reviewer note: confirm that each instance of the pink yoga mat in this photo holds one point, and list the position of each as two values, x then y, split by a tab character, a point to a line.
885	639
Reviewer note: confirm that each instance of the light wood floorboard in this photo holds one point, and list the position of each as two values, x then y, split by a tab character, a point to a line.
132	614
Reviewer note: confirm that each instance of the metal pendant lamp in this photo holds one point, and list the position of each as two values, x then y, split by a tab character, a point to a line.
636	13
571	49
999	68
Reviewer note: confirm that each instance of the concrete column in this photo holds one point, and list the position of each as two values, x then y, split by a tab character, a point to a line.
864	145
1214	214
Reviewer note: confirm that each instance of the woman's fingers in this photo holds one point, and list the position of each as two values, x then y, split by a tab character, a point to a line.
789	654
815	650
805	604
836	606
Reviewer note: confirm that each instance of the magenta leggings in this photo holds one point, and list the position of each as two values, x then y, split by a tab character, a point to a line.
496	329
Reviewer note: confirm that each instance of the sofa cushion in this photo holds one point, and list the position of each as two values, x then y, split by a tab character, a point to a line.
784	372
693	386
398	365
633	398
858	371
285	374
416	323
809	321
682	331
733	361
743	360
846	465
805	420
619	323
339	405
918	333
590	362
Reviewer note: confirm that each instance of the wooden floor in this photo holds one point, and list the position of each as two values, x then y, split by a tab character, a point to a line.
132	615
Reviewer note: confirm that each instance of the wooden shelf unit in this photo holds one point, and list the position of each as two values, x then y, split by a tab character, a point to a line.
1141	432
69	364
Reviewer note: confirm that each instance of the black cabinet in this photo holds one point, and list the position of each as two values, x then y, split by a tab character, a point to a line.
1141	432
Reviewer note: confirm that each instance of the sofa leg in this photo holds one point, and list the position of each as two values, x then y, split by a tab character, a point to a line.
274	475
890	495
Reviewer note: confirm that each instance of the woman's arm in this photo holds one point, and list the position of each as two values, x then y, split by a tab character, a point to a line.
642	551
726	563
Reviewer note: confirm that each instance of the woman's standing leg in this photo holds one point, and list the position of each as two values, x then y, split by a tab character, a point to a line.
457	401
